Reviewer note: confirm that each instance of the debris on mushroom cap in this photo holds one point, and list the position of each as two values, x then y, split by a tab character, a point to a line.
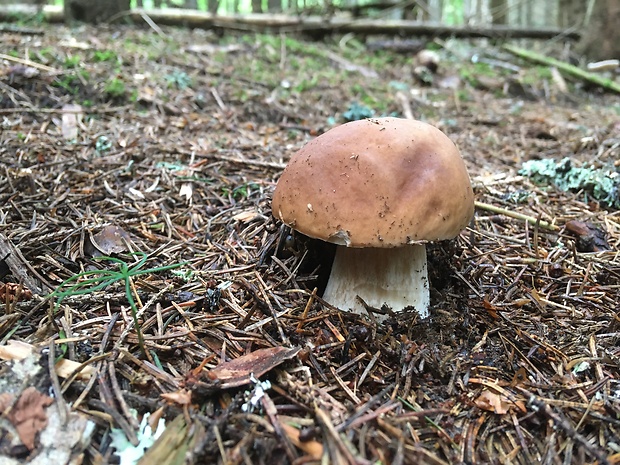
380	182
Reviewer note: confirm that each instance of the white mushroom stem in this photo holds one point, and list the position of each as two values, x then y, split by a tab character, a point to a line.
396	277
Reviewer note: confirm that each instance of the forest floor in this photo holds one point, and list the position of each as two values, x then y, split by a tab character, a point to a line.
136	174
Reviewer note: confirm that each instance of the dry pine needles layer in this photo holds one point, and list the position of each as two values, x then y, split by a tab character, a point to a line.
518	363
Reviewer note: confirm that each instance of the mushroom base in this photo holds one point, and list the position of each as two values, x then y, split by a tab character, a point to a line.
395	277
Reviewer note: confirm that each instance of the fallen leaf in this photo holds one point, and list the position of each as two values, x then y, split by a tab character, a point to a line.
17	350
313	448
246	215
110	240
181	397
13	292
492	402
590	238
6	400
519	377
237	372
490	308
28	415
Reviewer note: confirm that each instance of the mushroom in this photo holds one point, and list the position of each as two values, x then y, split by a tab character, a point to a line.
380	189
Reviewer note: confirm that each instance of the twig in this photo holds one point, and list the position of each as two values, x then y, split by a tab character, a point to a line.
567	68
368	368
304	314
519	216
559	422
118	418
63	410
147	19
272	414
336	447
116	389
30	63
91	110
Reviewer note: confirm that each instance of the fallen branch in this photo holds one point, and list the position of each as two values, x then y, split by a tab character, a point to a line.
283	22
566	68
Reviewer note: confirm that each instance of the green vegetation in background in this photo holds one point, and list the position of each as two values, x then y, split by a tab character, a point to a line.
535	75
452	9
452	12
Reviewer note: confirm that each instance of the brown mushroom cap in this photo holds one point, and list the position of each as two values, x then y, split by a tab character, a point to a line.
380	182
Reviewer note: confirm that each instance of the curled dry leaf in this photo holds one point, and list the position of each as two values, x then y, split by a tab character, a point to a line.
493	402
110	240
313	448
237	372
181	397
28	415
6	400
18	350
590	238
12	292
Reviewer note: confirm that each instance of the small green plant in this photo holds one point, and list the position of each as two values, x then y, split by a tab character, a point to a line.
307	84
89	282
115	88
178	79
69	82
72	61
534	76
104	55
240	192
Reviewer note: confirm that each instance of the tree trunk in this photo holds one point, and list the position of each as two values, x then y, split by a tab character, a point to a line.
499	8
257	6
274	6
94	11
213	6
602	38
572	13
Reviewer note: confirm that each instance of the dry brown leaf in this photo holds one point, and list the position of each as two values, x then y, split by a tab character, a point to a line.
28	415
237	372
246	215
313	448
17	350
6	400
492	402
110	240
490	308
181	397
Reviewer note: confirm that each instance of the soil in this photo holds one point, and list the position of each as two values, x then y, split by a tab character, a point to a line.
136	173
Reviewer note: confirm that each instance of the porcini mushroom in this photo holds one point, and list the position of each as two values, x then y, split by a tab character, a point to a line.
380	189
